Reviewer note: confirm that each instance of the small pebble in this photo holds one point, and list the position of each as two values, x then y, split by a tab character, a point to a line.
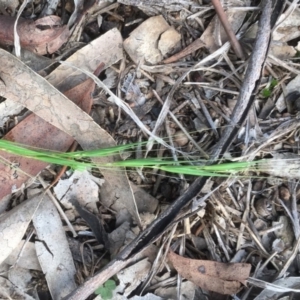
263	207
284	193
180	138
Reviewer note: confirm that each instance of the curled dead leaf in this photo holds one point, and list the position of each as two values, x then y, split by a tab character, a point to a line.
42	36
222	278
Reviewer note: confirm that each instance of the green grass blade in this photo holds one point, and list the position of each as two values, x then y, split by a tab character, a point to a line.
231	166
136	163
18	150
75	160
45	156
190	170
99	152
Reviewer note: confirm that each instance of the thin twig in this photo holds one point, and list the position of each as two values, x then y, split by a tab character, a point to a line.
206	113
231	36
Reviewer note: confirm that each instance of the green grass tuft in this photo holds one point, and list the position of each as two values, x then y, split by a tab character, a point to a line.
77	160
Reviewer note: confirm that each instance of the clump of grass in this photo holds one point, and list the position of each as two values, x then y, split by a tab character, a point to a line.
78	161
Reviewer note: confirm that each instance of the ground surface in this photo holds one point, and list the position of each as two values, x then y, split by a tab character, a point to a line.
168	77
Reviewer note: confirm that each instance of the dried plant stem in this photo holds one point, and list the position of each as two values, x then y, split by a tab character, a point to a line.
231	36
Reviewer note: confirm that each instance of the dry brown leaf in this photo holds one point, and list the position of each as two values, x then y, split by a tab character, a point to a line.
288	29
75	187
42	36
223	278
24	256
53	250
13	225
29	89
106	49
36	132
152	40
131	277
8	7
282	50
